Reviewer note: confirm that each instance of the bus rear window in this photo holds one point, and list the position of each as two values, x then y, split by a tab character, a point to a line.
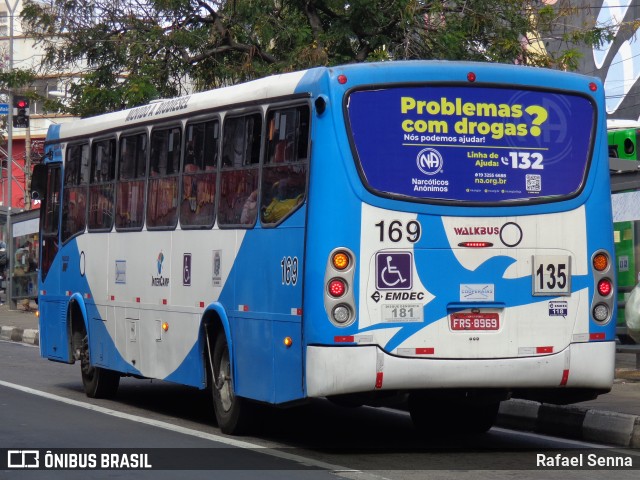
471	144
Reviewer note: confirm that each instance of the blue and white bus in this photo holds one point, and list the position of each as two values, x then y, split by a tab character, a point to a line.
434	231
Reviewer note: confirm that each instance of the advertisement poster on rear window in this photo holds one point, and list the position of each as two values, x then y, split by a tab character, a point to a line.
471	144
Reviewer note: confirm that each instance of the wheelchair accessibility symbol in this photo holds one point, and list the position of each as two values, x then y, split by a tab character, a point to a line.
394	270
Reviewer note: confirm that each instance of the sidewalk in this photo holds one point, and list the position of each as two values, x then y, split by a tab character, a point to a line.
18	326
612	419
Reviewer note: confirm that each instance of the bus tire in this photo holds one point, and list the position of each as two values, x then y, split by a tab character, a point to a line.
452	417
232	412
98	382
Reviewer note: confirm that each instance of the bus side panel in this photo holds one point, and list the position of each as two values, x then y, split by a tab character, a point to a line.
599	223
264	308
54	343
82	274
334	221
53	314
253	355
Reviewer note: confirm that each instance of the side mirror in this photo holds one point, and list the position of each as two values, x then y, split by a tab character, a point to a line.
39	181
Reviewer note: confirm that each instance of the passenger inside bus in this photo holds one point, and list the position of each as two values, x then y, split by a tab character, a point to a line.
286	194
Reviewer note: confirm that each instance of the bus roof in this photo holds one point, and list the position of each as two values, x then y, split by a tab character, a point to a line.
306	81
268	87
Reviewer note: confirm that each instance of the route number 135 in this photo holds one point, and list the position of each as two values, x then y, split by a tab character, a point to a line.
551	275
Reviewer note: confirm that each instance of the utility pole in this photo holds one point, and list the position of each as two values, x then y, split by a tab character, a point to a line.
27	168
9	283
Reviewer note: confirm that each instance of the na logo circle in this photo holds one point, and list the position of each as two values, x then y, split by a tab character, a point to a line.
429	161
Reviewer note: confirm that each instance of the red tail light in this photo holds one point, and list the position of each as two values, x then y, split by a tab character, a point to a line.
475	244
337	288
605	287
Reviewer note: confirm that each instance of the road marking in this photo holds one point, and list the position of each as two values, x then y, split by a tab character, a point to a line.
188	431
573	443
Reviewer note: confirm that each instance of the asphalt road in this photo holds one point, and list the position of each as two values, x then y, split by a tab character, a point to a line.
42	406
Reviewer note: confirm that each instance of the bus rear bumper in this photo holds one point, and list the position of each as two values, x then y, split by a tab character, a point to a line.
340	370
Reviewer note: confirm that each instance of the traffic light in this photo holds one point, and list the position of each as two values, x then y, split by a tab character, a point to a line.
20	112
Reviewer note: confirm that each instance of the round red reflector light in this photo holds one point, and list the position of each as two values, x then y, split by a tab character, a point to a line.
337	288
593	86
471	77
605	287
342	79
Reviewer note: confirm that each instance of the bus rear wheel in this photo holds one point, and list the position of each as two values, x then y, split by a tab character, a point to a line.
453	415
232	412
98	382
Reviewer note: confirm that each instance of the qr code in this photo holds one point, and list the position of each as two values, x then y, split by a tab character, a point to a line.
534	183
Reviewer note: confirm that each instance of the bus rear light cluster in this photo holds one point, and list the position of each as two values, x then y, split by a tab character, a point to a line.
602	302
600	262
601	312
337	288
341	314
604	287
340	260
339	300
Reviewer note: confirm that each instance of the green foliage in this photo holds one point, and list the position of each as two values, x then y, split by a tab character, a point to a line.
124	53
16	79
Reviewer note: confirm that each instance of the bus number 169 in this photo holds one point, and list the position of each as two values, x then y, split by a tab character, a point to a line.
396	233
289	270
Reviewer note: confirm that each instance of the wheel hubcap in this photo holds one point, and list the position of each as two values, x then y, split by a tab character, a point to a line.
224	383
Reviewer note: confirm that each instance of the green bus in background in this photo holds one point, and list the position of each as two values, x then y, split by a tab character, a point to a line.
623	138
625	189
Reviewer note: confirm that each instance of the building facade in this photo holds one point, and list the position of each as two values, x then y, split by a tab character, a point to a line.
616	62
18	51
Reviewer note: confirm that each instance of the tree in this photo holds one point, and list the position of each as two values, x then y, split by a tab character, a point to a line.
124	53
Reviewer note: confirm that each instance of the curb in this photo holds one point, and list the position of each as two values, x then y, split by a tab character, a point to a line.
16	334
573	422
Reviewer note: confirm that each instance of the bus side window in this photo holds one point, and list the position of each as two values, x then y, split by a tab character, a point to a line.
50	220
239	173
102	187
164	161
199	175
130	185
284	176
74	201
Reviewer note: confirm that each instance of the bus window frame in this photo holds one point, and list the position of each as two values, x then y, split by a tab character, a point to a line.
125	134
306	163
97	140
79	185
50	216
231	115
201	120
163	127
